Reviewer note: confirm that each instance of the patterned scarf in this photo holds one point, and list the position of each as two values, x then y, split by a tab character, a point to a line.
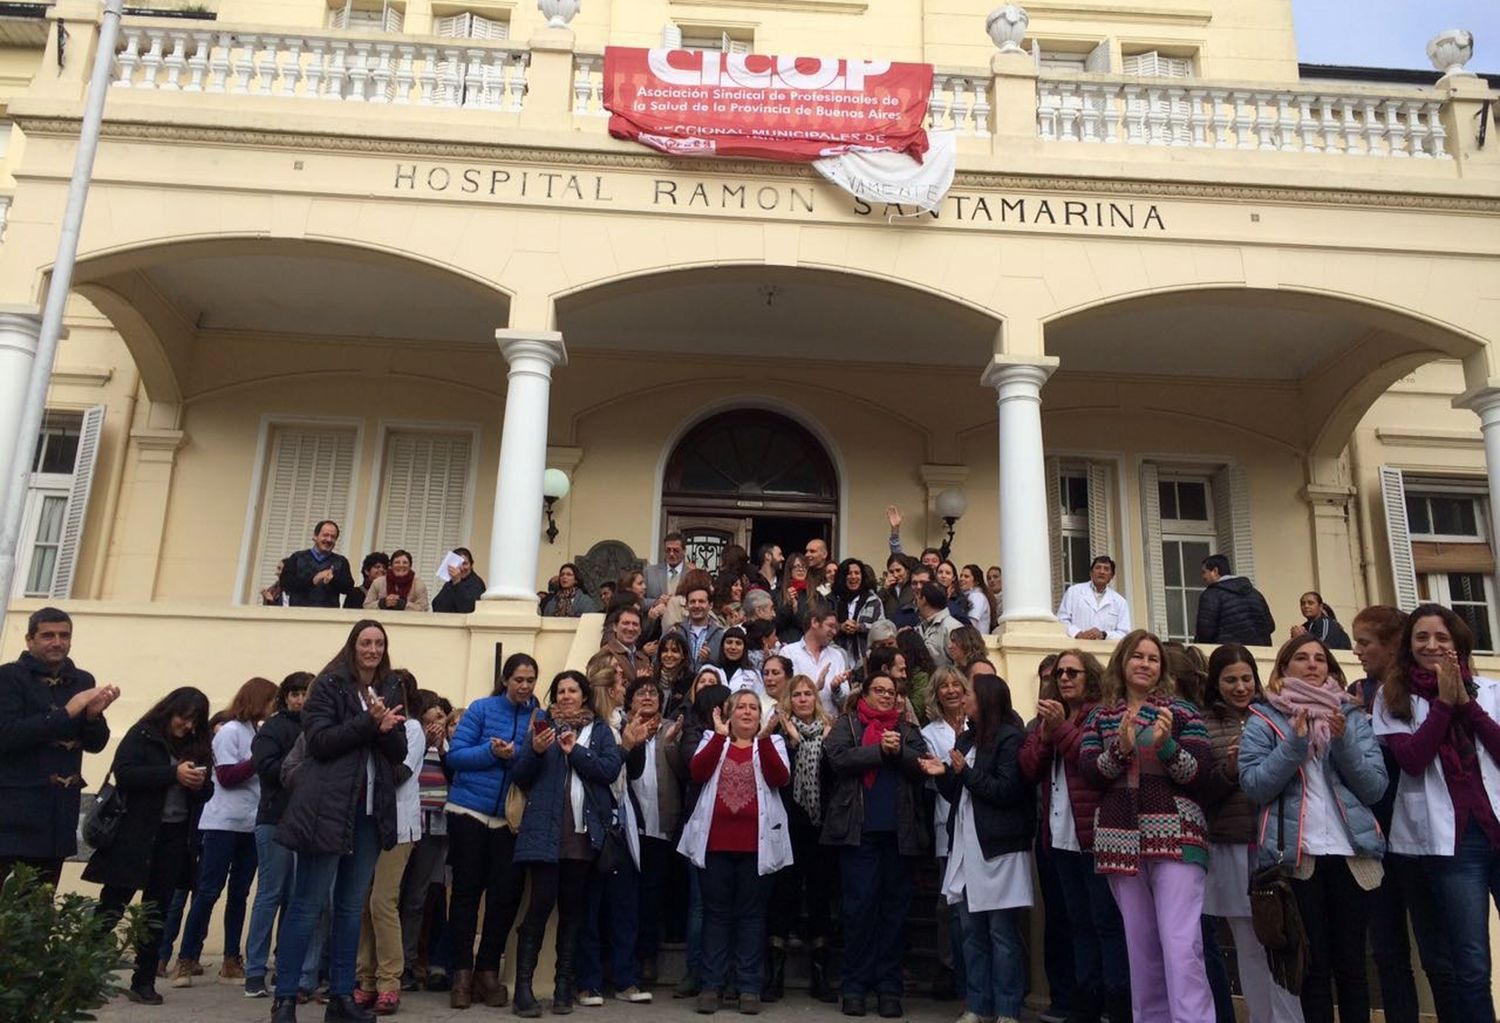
565	602
1319	702
877	723
806	768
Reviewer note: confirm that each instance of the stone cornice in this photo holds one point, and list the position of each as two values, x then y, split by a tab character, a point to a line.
599	159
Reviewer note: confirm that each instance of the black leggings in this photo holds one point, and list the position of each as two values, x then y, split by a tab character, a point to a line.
1336	913
564	885
481	858
169	856
809	881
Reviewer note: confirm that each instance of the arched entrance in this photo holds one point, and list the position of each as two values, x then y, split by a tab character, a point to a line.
748	477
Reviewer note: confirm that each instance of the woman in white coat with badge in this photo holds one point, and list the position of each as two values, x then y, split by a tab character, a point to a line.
1442	725
737	838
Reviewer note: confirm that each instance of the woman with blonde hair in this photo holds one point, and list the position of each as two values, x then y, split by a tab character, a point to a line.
1148	752
946	712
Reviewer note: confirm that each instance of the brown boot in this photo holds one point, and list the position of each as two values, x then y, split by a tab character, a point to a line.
489	989
462	995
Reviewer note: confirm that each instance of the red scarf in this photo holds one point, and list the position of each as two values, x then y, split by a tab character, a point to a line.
1456	749
877	723
400	585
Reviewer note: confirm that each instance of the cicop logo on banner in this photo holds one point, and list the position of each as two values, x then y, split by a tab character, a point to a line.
695	103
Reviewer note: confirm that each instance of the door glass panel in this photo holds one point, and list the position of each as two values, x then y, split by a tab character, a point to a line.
44	549
705	547
1470	599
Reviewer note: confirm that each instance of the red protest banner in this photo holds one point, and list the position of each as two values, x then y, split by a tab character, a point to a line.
704	103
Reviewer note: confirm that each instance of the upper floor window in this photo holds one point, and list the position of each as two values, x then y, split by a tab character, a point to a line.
57	497
706	37
468	25
1069	59
368	15
1152	64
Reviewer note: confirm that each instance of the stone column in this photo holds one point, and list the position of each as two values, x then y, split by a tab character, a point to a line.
516	532
1485	402
20	326
1335	558
1025	553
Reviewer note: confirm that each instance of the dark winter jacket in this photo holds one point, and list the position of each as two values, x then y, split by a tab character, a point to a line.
144	773
1233	611
269	747
1036	763
341	738
1231	814
297	573
1004	801
844	803
479	778
1329	631
459	598
544	779
41	757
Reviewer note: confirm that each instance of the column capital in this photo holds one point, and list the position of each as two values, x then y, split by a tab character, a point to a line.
20	328
158	445
1483	400
524	345
1027	371
1328	495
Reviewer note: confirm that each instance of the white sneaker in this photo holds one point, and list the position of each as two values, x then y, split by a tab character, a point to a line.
968	1017
633	994
590	999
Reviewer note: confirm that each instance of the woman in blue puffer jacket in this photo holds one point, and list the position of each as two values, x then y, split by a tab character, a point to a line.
1308	757
481	845
566	770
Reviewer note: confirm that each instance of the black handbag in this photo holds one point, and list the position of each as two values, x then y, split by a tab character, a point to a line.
103	820
614	853
1276	918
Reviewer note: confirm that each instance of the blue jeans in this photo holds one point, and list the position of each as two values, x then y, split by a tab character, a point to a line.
172	922
735	898
994	962
276	864
694	936
227	856
1100	961
1463	886
618	896
350	876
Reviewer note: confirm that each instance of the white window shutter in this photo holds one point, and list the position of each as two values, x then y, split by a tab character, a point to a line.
1098	59
452	26
78	501
1175	67
738	46
489	28
423	498
1101	541
1403	566
1155	569
1142	65
309	476
1036	54
339	17
671	36
394	19
1231	497
1054	526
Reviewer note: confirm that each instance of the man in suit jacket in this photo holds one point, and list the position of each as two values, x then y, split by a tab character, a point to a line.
699	632
662	580
624	627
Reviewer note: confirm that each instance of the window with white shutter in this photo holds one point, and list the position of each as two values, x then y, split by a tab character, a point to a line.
468	25
1155	65
57	499
308	476
1440	546
386	16
708	39
1182	515
423	502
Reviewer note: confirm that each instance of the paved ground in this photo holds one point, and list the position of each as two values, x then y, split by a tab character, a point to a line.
218	1003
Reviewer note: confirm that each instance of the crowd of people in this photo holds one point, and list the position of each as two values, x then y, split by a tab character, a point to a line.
759	763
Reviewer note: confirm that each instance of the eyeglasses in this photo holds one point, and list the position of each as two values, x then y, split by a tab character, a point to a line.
1066	673
882	691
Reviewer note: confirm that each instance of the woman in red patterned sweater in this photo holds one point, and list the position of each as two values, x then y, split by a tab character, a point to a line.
1148	752
737	837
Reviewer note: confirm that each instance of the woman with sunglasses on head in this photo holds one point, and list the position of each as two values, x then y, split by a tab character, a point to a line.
1233	686
1147	750
1309	759
874	815
1049	759
1439	721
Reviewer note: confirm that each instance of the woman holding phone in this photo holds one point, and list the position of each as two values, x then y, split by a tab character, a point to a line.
342	812
161	769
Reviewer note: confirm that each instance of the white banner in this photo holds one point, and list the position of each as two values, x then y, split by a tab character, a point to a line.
895	178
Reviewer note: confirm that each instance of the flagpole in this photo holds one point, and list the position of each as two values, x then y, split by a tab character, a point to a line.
61	283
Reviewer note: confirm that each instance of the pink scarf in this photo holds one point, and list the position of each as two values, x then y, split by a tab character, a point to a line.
1320	703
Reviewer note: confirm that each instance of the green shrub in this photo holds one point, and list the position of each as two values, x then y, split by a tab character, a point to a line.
57	960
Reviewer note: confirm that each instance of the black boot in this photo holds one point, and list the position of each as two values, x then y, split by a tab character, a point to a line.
775	986
820	985
1088	1003
1117	1004
284	1010
342	1009
563	993
527	948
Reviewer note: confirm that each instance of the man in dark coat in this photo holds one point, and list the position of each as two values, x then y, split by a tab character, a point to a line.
51	712
317	577
1231	610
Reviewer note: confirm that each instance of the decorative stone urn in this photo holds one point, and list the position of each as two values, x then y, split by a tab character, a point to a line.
559	12
1007	27
1449	51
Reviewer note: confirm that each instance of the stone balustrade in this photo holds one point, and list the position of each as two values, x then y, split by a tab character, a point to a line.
961	103
324	65
1131	111
588	85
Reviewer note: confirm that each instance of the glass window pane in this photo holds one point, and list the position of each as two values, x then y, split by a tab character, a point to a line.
1466	587
1075	491
1176	619
1192	501
1192	613
50	522
1193	554
1166	492
1418	520
39	575
1452	516
1171	560
1078	558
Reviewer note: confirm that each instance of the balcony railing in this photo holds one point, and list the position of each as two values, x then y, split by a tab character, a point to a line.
1139	112
322	66
960	102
